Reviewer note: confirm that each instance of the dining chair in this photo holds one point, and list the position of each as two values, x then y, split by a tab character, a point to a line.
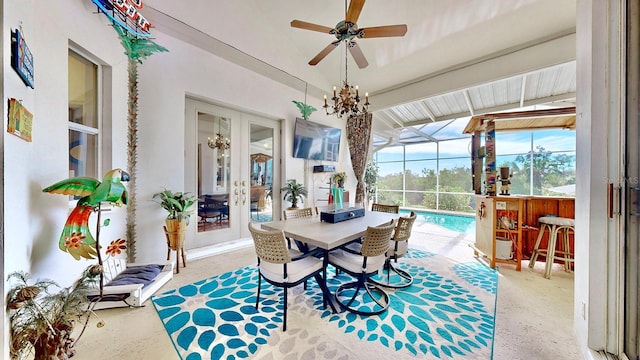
297	213
394	209
279	268
361	296
398	247
208	209
294	214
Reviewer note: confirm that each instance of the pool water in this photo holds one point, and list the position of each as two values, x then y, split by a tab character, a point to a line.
459	223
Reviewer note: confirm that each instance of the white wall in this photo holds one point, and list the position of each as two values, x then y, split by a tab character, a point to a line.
33	220
165	80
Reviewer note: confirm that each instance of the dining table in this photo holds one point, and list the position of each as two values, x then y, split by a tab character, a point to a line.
311	231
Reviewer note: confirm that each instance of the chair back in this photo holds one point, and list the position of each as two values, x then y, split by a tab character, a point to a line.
271	246
297	213
403	228
376	239
385	208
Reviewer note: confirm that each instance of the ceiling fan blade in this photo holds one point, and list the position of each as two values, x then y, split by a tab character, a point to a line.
309	26
353	13
321	55
357	54
382	31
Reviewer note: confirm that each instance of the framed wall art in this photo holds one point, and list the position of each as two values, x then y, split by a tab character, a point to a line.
20	120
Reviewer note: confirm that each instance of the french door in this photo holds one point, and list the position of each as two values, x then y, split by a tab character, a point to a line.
232	162
631	189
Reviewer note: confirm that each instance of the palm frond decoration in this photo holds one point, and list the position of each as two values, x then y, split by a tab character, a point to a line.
305	109
137	50
42	321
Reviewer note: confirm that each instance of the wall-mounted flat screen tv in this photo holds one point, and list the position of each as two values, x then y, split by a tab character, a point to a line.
316	141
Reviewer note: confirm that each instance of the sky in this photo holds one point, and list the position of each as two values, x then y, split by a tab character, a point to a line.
507	143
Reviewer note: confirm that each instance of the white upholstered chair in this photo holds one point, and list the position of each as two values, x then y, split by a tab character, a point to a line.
279	268
398	247
362	265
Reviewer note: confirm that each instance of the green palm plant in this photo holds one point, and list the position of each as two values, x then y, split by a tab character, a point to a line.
178	204
293	192
371	179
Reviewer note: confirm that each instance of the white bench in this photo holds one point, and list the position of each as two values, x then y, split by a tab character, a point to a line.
130	284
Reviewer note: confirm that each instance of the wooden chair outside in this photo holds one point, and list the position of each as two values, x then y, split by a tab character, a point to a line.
279	268
394	209
398	247
363	265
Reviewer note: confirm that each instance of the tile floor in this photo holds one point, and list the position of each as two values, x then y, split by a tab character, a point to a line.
534	315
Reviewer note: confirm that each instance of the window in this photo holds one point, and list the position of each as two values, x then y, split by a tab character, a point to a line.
438	175
84	116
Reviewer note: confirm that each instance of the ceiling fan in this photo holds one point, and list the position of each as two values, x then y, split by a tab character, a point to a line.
347	30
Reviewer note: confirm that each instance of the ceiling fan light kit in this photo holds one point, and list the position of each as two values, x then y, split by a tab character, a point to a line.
347	101
347	30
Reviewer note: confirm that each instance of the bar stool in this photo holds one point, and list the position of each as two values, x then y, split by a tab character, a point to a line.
555	226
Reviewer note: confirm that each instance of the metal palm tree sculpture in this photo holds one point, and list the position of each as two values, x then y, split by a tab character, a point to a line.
137	49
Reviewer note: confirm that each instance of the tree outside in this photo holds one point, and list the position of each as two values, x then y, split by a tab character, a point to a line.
452	187
549	171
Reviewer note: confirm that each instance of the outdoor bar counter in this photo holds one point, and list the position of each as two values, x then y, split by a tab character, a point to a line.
515	218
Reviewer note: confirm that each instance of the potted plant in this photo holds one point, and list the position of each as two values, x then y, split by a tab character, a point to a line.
339	178
371	179
293	192
42	321
179	208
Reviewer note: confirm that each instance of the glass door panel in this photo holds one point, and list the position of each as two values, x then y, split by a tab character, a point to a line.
210	172
261	172
232	164
214	160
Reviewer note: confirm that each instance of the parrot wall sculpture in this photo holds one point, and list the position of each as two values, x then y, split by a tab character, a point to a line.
76	238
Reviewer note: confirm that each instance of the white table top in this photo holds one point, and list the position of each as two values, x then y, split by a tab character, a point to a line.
327	235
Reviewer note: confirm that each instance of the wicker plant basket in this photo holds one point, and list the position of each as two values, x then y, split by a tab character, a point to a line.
175	231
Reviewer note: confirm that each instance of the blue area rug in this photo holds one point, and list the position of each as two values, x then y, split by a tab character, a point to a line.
448	313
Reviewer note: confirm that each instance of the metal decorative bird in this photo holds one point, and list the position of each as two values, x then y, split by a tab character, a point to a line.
76	239
305	109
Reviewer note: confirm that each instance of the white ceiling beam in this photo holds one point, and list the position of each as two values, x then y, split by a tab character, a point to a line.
551	52
173	27
468	100
409	128
556	98
427	110
523	90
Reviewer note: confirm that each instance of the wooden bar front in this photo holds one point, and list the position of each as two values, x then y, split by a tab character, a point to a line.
520	215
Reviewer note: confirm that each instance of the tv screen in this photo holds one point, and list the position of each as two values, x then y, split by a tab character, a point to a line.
316	141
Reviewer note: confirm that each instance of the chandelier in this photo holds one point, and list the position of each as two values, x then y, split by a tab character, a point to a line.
347	100
220	142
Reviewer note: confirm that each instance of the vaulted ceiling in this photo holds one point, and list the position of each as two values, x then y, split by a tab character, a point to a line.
458	58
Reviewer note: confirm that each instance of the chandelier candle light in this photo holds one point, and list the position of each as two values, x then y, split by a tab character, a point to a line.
220	142
347	101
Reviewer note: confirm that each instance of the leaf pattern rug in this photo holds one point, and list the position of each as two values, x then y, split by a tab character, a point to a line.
448	313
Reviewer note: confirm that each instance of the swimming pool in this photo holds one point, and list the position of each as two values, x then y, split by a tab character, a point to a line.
459	223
